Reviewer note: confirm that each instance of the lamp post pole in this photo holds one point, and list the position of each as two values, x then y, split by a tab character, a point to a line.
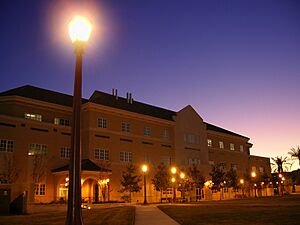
74	214
144	169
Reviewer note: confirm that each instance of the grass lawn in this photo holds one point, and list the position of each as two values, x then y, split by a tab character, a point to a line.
100	216
270	210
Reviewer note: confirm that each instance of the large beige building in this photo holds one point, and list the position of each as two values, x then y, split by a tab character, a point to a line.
35	142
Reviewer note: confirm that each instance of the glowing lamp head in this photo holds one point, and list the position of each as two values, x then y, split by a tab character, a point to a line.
242	181
107	180
173	170
253	174
173	180
144	168
182	175
80	29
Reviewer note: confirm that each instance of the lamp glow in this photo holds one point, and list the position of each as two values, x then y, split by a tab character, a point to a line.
182	175
173	180
80	29
144	168
173	170
253	174
242	181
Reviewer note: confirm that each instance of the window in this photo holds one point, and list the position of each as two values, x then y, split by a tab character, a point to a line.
234	167
193	161
165	134
126	156
6	145
221	144
61	121
102	154
231	146
102	123
37	149
222	166
125	127
191	138
40	189
65	152
209	142
165	160
31	116
241	148
253	169
261	169
147	131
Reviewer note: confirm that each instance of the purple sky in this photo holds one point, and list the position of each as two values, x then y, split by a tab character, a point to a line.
236	62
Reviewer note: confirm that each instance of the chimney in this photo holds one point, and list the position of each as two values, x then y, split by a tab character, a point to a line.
130	98
127	97
115	93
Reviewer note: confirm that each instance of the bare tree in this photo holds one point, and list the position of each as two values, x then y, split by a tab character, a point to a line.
9	172
39	167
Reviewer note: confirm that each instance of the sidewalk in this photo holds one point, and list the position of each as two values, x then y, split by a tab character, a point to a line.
151	215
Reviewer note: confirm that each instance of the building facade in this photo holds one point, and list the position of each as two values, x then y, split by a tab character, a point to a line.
116	131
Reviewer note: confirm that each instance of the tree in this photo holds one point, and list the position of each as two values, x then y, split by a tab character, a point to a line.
195	179
232	179
130	181
39	167
161	179
9	170
280	163
217	176
295	153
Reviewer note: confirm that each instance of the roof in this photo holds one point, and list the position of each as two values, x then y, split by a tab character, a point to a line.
137	107
86	165
102	98
222	130
41	94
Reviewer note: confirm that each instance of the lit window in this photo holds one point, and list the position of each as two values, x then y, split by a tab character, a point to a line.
65	152
125	127
61	121
241	148
221	144
40	189
102	154
102	123
31	116
126	156
6	145
231	146
165	134
37	149
147	131
209	142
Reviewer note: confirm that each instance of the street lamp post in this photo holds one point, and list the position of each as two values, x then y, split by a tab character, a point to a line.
242	184
144	169
253	175
79	30
174	171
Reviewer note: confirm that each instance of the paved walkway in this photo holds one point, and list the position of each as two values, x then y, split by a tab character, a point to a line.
151	215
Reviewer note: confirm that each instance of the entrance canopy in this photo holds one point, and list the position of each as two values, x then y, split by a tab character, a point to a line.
86	165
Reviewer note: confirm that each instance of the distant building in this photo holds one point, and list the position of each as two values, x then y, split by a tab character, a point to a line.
35	141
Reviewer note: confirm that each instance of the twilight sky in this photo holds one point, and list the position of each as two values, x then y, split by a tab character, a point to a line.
237	62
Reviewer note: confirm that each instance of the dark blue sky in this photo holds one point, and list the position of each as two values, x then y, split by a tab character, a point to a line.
236	62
